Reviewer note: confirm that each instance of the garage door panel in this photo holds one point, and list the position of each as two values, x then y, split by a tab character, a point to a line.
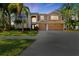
42	26
55	26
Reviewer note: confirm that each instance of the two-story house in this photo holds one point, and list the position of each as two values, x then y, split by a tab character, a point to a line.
51	21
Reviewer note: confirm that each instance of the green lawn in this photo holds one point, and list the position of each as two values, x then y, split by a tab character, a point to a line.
14	47
18	33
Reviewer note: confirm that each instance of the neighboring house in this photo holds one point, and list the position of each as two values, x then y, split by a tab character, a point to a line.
51	21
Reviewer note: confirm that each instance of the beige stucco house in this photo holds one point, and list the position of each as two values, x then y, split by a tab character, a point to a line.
51	21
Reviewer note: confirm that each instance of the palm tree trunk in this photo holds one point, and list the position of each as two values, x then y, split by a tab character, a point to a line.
9	21
22	26
3	21
16	18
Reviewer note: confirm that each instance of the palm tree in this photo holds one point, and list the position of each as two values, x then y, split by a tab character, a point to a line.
18	9
15	8
76	11
25	10
4	12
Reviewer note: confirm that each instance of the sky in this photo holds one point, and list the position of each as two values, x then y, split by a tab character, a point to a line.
43	8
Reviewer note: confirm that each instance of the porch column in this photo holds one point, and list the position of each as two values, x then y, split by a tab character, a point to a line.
47	23
46	26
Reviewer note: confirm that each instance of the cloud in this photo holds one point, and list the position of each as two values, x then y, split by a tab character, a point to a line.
42	7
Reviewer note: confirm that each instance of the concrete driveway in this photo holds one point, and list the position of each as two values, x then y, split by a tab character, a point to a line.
54	43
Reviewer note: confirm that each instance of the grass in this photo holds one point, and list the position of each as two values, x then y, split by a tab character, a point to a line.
18	33
14	47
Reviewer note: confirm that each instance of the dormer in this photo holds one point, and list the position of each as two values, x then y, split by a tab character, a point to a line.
55	16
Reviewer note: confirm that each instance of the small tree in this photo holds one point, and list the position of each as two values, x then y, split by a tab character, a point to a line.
67	13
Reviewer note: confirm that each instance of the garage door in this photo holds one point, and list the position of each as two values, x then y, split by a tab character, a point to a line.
55	26
42	26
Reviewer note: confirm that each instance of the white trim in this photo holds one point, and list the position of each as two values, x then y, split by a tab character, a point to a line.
46	27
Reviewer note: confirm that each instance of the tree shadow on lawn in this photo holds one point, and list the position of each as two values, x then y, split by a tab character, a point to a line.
14	47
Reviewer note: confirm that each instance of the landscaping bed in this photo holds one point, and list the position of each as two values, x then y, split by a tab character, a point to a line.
18	33
71	30
14	47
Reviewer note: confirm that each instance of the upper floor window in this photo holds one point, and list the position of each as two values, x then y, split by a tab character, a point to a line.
54	17
41	17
